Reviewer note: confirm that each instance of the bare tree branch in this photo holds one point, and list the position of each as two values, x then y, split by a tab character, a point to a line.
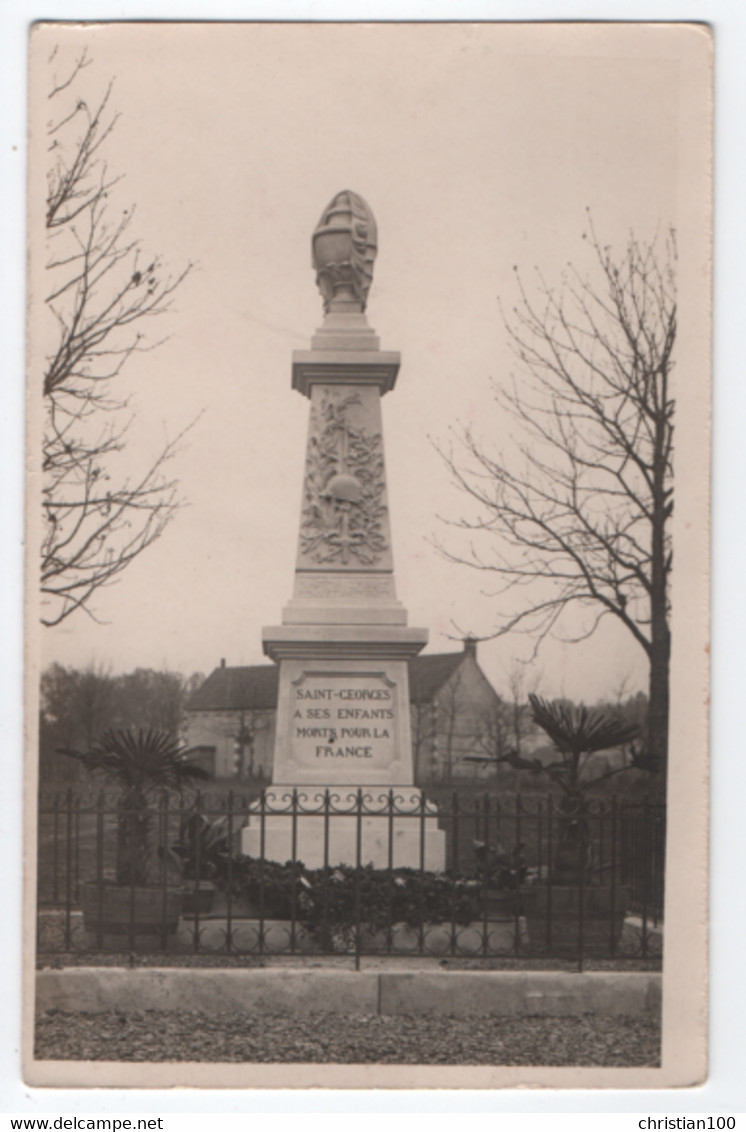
102	291
576	517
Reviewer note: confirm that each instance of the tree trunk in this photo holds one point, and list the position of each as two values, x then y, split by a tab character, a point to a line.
133	836
658	701
660	634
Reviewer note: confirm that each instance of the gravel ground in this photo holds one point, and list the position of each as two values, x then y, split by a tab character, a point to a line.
154	1035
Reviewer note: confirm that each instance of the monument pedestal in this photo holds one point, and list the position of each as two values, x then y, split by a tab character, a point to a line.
343	740
343	752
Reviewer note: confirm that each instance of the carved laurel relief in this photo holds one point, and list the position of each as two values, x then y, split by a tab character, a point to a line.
343	514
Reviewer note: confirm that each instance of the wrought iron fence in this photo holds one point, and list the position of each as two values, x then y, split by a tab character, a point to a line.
522	879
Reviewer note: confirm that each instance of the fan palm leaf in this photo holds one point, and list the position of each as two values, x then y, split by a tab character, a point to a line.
580	730
140	761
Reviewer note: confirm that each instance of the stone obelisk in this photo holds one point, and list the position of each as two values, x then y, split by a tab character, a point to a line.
343	647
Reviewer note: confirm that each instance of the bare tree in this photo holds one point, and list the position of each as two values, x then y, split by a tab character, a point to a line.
521	723
494	739
576	518
242	731
102	291
503	730
441	730
423	717
76	704
449	710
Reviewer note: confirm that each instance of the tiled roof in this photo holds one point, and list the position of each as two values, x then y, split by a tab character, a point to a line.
255	687
231	689
429	673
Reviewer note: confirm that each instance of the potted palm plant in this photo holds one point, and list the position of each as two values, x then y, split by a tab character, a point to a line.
138	906
576	903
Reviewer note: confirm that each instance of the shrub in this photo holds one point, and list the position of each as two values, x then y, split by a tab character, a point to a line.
202	849
381	899
329	902
273	887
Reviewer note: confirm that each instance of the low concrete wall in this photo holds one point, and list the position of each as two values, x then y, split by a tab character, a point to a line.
301	991
209	990
521	992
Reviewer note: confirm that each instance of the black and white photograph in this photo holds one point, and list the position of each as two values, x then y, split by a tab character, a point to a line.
367	649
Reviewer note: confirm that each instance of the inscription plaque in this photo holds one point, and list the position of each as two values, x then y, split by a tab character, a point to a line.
344	585
339	718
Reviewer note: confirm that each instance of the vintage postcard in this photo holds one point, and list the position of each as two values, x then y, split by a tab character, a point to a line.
367	653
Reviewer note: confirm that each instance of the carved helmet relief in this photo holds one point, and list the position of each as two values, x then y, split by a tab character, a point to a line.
344	246
343	490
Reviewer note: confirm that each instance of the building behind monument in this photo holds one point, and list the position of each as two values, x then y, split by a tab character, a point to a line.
453	708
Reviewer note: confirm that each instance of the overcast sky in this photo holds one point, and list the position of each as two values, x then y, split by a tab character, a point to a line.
477	149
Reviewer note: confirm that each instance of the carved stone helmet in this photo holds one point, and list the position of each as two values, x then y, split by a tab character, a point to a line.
343	488
344	246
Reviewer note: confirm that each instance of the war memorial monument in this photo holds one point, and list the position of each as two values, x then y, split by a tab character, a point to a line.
343	760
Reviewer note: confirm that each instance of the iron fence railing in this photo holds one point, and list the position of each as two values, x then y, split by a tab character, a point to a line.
521	879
